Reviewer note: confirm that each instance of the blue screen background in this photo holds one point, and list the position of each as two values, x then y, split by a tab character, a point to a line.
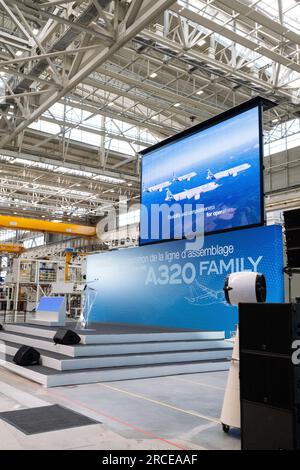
50	304
224	146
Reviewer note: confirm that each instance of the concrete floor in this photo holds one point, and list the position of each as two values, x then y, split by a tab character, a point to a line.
172	413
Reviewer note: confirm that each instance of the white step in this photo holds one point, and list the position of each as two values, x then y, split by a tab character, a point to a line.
63	363
50	378
82	350
89	337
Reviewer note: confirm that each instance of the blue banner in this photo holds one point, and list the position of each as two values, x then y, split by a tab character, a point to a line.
166	285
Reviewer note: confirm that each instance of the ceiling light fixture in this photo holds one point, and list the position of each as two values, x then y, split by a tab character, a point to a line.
201	42
153	75
176	105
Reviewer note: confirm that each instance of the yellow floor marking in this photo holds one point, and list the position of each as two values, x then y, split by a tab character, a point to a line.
197	383
160	403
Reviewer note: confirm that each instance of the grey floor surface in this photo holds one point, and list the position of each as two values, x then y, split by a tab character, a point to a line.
175	413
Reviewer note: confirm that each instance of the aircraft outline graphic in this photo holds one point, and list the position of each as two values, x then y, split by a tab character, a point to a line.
234	171
202	295
191	193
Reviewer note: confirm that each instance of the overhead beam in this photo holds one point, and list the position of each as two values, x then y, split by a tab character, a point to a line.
14	19
96	60
51	3
47	55
161	130
102	132
229	70
258	17
32	9
132	12
237	38
71	165
156	90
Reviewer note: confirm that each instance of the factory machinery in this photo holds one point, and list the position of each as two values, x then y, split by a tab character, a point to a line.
28	279
54	271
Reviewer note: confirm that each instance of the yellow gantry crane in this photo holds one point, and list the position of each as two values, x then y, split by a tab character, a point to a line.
36	225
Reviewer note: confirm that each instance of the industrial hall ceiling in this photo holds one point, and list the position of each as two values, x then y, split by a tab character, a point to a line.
86	85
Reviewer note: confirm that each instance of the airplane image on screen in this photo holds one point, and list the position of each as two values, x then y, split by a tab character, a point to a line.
186	177
230	172
157	188
161	186
191	193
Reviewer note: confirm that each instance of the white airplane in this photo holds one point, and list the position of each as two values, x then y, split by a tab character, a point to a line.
186	177
191	193
161	186
230	172
157	188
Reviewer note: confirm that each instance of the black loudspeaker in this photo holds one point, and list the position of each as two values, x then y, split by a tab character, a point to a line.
269	327
292	233
269	376
27	356
1	327
67	337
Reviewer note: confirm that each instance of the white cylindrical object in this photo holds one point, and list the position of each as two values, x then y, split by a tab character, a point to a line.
245	287
241	287
230	415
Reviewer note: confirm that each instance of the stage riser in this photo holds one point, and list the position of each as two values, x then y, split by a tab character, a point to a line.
114	349
120	361
124	338
111	375
116	355
27	373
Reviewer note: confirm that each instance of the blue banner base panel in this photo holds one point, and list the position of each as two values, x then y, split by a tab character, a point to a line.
168	285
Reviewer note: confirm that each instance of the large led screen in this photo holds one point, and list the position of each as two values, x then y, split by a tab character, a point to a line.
214	171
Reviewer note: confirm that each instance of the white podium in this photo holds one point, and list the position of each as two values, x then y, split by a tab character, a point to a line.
50	311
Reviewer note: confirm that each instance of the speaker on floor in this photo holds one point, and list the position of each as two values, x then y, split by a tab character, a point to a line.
66	337
27	356
292	233
1	327
269	378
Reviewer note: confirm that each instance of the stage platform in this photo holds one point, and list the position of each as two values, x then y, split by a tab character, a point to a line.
110	352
